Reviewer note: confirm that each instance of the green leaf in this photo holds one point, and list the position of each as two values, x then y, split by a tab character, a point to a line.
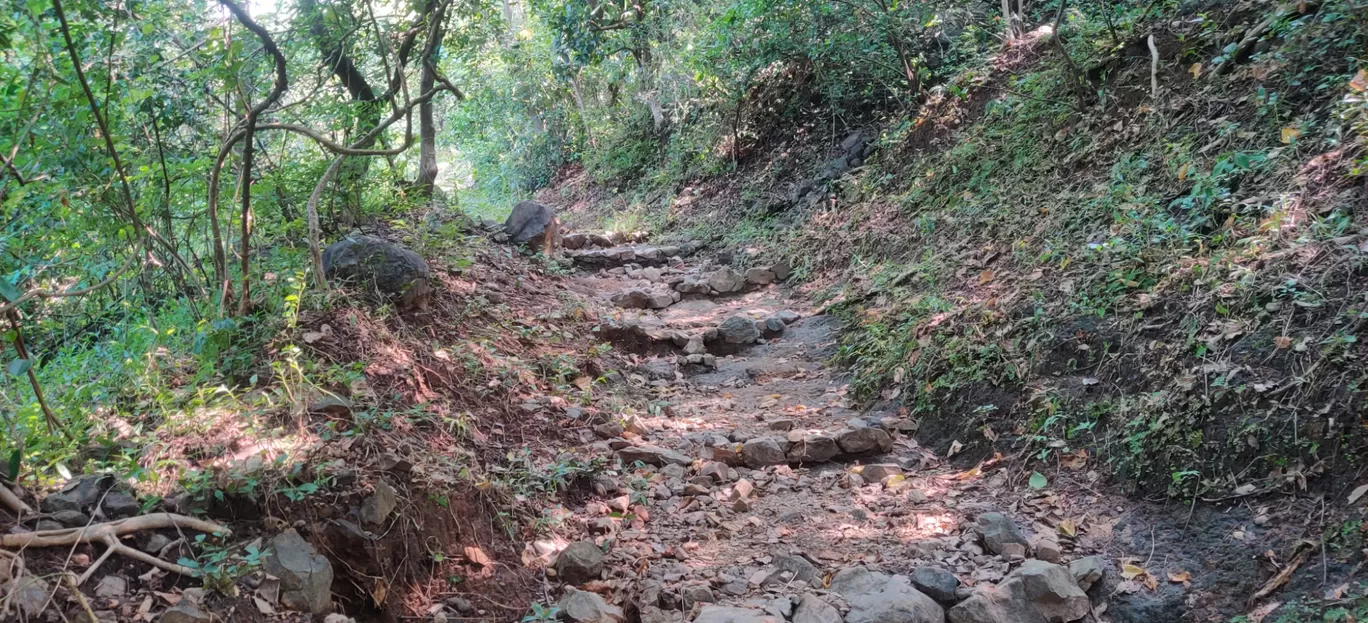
19	367
8	290
15	462
1038	481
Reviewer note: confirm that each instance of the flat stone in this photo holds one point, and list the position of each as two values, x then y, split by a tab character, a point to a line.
801	570
1088	571
772	328
30	595
730	614
111	587
788	316
586	607
581	562
698	594
78	494
185	612
652	455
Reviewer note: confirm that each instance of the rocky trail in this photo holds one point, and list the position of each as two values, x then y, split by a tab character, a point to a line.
757	493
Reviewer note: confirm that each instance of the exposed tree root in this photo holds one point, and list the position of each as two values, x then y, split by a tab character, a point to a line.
12	502
109	533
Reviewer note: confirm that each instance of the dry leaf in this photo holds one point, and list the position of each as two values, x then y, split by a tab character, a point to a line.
1289	135
1282	342
476	555
313	336
584	383
1257	615
263	606
1181	577
1068	528
1357	493
1359	83
1130	571
1195	70
985	276
955	446
1183	171
1151	583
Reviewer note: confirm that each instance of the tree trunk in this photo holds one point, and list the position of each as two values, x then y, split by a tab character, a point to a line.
427	127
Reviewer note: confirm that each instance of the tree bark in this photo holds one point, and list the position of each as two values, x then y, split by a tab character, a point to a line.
427	127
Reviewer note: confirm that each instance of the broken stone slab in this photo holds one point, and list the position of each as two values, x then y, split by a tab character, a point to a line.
586	607
798	570
879	598
864	440
998	532
731	614
652	455
305	575
379	505
111	587
581	562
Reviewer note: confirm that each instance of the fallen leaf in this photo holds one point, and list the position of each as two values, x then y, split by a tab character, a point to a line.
1038	481
1359	83
986	276
263	606
1282	342
169	598
1183	171
1130	571
1357	493
1257	615
584	383
1289	134
955	446
1195	70
476	555
1181	577
1068	528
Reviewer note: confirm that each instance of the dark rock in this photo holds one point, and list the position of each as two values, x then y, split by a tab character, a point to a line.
331	404
812	609
120	504
797	568
78	494
935	582
813	448
864	440
305	575
44	525
773	328
759	276
632	299
581	562
652	455
375	265
998	531
788	316
528	222
185	612
1088	571
781	270
29	595
574	241
738	330
697	594
71	519
763	451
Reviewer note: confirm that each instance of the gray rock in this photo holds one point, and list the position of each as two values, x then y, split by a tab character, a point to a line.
660	300
154	542
111	587
697	594
120	504
586	607
379	505
695	346
935	582
185	612
759	276
1088	571
71	519
305	575
813	448
30	595
725	280
763	451
788	316
878	471
773	328
998	531
879	598
1051	589
632	299
44	525
375	265
581	562
528	222
574	241
781	607
1003	603
864	440
781	270
738	330
729	614
78	494
331	404
811	609
652	455
792	568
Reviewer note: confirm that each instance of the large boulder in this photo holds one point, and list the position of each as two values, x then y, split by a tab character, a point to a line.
305	575
378	266
879	598
528	222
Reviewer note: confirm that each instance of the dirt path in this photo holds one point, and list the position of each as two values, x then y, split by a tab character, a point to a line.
795	485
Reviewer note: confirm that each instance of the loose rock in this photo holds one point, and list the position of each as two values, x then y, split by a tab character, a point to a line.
935	582
652	455
998	531
864	440
811	609
586	607
375	265
378	506
581	562
305	575
763	451
729	614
